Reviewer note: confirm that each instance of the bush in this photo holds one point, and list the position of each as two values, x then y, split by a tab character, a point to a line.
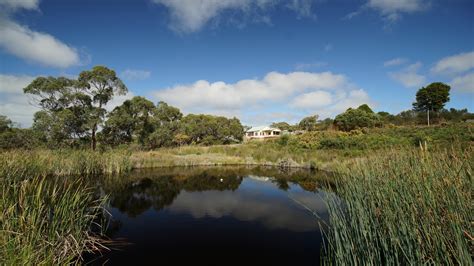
356	118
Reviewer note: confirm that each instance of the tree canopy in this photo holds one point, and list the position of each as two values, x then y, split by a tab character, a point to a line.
73	109
308	123
356	118
432	98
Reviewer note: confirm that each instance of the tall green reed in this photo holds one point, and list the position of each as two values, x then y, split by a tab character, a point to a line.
404	207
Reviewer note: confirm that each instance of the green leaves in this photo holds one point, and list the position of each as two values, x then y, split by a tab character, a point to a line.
73	109
308	123
357	118
432	98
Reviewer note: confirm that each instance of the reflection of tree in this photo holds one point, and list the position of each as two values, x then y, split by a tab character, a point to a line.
139	194
141	190
282	184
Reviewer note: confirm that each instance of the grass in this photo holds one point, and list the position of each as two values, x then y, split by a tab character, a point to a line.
45	219
20	163
324	150
412	207
403	206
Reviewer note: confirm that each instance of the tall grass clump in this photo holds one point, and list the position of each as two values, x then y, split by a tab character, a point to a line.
45	222
405	207
22	163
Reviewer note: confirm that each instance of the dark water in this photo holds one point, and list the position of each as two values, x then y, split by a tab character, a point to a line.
215	216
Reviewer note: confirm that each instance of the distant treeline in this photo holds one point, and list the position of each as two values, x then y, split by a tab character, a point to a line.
73	115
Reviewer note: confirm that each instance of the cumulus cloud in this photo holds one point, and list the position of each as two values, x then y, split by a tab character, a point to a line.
312	100
454	64
13	102
18	106
464	83
392	10
395	62
192	15
135	74
409	76
30	45
325	92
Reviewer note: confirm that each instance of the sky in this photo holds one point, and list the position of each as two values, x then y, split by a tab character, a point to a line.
259	60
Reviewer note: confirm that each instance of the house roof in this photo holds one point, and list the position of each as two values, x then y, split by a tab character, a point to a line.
263	128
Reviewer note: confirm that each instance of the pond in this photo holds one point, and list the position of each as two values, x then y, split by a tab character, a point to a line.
215	216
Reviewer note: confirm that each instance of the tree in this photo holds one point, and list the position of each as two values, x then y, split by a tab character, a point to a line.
282	126
309	123
5	123
73	108
100	84
131	121
166	113
64	114
432	98
356	118
366	108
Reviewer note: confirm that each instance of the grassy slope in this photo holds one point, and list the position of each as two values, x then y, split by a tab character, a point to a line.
322	150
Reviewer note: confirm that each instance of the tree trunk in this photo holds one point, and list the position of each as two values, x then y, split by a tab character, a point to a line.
94	140
428	117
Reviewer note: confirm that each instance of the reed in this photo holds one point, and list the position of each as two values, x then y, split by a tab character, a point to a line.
47	221
20	163
411	207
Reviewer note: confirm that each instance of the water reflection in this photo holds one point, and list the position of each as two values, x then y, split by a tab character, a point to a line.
213	208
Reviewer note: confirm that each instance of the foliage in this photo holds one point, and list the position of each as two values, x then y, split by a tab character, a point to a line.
282	126
432	98
308	123
385	196
356	118
208	129
132	121
364	107
19	138
5	123
73	109
167	114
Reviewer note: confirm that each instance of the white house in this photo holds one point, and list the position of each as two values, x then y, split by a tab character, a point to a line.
262	132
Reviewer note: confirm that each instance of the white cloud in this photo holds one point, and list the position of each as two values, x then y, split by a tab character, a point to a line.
30	45
118	100
18	106
323	92
302	7
409	76
135	74
13	102
464	83
312	100
454	64
14	84
391	10
395	62
17	4
192	15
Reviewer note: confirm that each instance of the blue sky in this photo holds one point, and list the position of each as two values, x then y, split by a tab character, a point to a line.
262	60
